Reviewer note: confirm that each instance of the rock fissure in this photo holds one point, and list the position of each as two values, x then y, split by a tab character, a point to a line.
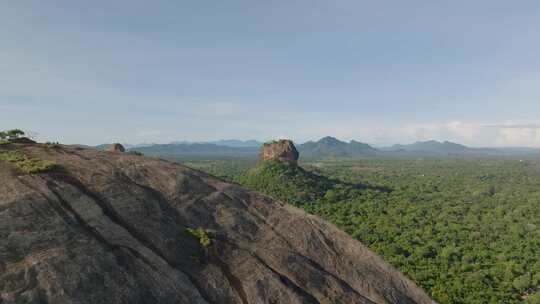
115	248
234	282
305	295
289	282
282	237
115	218
311	262
284	279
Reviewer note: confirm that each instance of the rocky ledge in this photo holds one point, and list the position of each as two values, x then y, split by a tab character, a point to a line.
120	228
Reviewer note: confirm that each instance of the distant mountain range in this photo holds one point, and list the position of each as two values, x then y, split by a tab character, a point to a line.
450	148
237	143
198	150
431	146
331	146
325	147
127	146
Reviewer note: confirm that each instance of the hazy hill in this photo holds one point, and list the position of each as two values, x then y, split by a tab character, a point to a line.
450	148
331	146
432	146
111	227
237	143
197	149
127	146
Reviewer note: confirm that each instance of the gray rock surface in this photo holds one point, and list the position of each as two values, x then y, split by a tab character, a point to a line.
111	228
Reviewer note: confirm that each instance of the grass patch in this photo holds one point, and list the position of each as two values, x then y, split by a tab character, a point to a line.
26	163
202	235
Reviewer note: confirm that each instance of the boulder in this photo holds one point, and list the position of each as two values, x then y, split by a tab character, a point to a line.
116	147
282	150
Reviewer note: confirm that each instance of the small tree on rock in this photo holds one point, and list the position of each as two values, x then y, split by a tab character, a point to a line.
14	134
11	134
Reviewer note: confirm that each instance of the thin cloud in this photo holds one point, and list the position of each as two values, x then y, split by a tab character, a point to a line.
150	133
514	126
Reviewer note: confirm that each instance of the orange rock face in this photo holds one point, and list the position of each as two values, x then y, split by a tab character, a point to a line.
116	148
282	150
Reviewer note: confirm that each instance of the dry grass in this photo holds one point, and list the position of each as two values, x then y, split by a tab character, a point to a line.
27	163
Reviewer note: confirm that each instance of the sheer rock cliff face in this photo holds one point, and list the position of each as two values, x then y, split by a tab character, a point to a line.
111	228
282	150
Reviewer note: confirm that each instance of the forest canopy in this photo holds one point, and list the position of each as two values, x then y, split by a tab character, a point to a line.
467	229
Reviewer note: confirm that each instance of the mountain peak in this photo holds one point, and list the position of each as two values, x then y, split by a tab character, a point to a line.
432	146
329	140
331	146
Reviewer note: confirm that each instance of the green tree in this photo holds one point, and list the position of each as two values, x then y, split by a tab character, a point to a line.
11	134
533	299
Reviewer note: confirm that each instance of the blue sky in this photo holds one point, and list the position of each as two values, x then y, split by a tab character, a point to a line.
376	71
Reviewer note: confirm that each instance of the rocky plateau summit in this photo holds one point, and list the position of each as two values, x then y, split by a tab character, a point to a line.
282	150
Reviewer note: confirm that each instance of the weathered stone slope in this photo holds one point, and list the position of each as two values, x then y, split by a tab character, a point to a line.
111	228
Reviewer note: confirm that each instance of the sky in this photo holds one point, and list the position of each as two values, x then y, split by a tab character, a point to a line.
380	72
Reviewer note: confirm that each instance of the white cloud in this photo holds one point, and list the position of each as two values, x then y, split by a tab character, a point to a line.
515	126
514	136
